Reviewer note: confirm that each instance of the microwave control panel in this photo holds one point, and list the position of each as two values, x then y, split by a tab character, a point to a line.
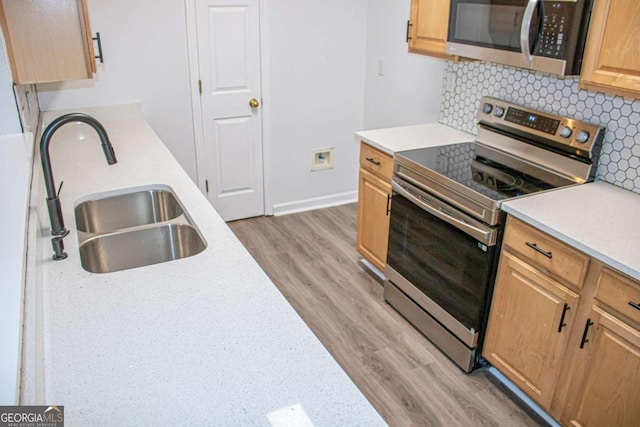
555	28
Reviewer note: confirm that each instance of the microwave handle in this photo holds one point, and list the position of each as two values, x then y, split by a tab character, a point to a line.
525	28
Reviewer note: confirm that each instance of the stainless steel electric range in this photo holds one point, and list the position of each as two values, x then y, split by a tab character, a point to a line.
446	222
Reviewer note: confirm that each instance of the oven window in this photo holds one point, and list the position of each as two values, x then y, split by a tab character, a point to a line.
444	263
489	23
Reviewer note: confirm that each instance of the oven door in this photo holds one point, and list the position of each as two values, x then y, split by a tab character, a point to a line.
442	259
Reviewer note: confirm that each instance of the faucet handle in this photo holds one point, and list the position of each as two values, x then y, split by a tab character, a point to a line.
59	189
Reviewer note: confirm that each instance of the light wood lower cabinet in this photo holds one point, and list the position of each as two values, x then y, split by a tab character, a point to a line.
608	388
374	202
572	344
531	319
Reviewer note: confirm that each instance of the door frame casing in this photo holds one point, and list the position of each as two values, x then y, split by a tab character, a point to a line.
196	106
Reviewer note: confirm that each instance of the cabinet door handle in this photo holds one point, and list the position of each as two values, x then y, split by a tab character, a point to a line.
634	305
99	55
372	160
584	334
535	247
409	24
388	204
564	313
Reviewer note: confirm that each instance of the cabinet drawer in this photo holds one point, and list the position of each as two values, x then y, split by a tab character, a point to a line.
376	161
619	293
547	253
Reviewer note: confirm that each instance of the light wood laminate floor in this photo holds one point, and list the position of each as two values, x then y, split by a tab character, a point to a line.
311	258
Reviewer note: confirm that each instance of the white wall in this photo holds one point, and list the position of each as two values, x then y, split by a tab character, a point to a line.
14	178
410	90
9	119
145	50
313	94
314	61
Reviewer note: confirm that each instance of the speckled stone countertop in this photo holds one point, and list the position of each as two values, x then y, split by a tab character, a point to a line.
205	340
597	218
391	140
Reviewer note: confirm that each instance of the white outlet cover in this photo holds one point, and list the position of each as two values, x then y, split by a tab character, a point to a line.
450	82
322	159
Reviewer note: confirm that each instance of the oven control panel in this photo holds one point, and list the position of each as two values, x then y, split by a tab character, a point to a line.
532	120
570	135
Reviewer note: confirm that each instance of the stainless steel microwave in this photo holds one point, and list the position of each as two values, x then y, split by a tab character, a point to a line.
540	35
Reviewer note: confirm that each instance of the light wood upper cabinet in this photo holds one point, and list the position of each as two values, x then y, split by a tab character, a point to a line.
531	321
374	201
48	41
429	24
612	57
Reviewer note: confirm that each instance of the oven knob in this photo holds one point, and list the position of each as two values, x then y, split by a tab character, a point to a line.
490	181
583	136
566	132
487	108
477	176
498	112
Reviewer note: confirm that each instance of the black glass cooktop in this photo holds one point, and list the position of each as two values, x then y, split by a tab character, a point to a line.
461	163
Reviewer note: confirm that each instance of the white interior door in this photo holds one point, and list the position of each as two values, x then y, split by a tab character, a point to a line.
228	33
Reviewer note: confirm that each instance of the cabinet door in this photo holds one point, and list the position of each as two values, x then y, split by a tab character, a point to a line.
612	58
609	391
529	326
47	41
429	27
374	198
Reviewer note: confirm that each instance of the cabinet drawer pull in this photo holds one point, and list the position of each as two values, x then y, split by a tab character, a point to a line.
584	334
388	204
634	305
564	313
372	160
535	247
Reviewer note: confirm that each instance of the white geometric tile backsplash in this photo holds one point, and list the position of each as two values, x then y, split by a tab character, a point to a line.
619	162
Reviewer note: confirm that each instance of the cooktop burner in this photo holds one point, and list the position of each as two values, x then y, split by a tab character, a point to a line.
461	163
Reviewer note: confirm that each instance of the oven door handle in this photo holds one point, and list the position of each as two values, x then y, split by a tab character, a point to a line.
477	233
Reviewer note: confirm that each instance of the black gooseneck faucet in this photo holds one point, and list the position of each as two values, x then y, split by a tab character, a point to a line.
58	229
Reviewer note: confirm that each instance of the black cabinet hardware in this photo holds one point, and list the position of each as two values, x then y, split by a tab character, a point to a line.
409	24
564	313
372	160
99	55
535	247
388	204
634	305
584	334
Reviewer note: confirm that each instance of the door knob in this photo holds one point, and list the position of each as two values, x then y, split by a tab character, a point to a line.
253	103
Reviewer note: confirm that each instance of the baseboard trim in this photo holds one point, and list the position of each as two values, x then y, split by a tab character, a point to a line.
315	203
529	405
373	270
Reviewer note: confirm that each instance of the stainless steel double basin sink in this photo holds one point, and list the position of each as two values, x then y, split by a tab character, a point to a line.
135	228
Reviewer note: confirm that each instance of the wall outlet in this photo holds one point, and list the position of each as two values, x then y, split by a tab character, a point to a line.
450	82
322	159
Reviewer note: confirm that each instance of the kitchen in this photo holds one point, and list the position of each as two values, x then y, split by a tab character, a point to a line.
361	108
